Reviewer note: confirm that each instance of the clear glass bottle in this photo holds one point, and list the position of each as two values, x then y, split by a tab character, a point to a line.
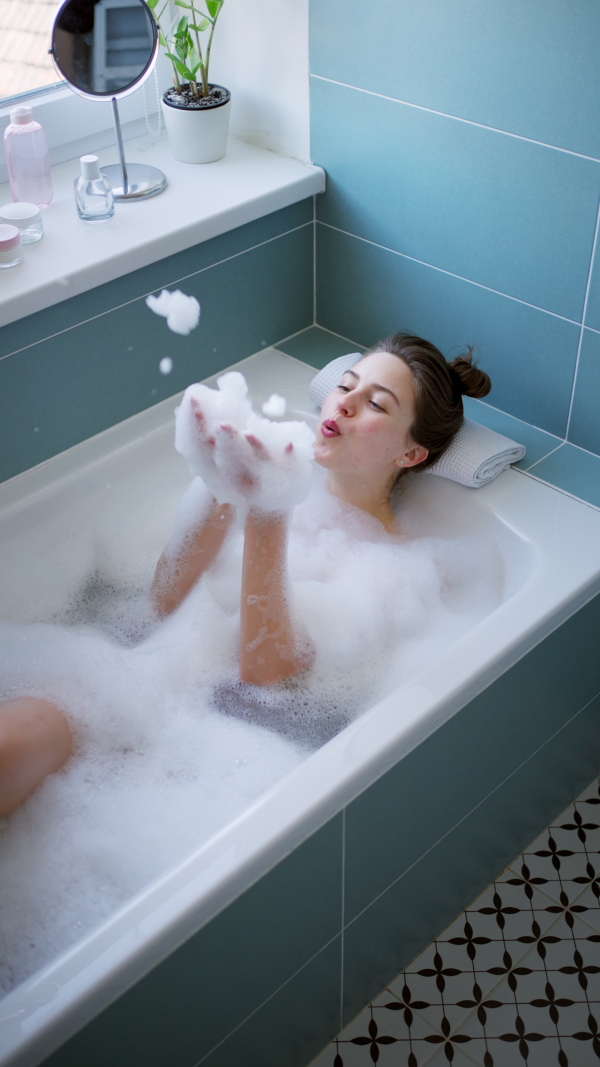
26	151
93	193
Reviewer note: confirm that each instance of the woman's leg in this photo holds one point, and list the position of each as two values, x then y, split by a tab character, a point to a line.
35	740
270	650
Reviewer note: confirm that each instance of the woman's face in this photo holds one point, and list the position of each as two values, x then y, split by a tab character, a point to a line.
365	421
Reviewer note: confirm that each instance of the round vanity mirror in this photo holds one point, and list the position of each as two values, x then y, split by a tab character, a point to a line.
104	49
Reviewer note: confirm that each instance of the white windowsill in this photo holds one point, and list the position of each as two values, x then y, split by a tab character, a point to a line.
201	201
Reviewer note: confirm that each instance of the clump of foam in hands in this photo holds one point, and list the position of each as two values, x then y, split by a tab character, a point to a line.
242	458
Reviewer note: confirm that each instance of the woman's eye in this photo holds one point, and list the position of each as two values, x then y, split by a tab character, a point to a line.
344	388
377	407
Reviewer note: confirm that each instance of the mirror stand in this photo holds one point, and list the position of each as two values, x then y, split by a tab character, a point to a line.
132	181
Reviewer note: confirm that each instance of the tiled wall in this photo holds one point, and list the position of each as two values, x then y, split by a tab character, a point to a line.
462	147
74	369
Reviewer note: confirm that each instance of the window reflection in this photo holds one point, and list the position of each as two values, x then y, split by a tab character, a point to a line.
25	29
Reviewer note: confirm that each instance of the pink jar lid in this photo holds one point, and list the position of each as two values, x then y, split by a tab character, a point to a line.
9	237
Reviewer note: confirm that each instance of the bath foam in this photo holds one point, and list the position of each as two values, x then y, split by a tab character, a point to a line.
169	745
181	312
242	458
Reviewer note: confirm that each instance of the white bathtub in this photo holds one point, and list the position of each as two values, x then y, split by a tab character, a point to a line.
550	544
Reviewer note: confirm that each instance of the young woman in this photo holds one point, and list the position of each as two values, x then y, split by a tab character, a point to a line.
398	408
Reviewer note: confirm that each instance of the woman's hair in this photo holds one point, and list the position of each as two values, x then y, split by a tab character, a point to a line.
439	388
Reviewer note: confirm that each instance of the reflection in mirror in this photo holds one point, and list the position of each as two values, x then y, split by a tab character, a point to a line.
103	47
106	48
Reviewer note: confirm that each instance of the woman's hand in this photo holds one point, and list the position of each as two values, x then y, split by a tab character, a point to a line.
266	466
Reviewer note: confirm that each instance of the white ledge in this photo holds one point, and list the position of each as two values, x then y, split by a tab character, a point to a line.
201	201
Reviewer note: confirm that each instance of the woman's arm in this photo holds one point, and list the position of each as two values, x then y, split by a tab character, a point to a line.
270	647
178	569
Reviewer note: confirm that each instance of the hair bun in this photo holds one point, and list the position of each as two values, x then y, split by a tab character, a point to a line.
471	381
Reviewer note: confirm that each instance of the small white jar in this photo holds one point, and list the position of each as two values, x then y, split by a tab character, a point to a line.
27	218
10	246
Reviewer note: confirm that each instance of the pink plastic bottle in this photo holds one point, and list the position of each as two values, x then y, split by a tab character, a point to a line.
27	159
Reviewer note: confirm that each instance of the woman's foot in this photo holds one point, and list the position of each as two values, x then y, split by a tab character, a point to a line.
35	740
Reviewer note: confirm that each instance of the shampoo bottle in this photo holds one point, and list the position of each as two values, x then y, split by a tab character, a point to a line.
27	159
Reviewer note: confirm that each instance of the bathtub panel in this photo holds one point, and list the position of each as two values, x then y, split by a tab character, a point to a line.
71	386
388	935
168	272
294	1025
584	429
372	291
407	811
510	214
209	985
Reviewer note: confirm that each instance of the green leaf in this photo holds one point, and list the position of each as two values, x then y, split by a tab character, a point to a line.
180	3
182	26
213	7
184	71
202	26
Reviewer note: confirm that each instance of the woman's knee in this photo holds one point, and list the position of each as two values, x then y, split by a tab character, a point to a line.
35	740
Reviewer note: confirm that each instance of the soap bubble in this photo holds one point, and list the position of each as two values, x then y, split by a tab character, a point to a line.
166	365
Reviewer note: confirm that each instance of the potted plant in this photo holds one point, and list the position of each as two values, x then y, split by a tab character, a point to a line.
196	112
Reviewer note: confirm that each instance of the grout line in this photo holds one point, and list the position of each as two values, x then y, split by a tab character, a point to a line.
340	335
469	813
451	274
508	414
583	316
550	453
559	488
142	296
457	118
343	918
314	260
265	1001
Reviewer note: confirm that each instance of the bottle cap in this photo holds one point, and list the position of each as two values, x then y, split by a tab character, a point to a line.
9	237
21	214
21	116
89	168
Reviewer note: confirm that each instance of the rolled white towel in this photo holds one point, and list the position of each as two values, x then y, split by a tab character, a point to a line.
477	454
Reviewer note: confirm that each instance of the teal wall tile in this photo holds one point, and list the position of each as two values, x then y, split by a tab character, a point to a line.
584	428
163	274
537	442
574	470
392	824
592	317
390	933
74	384
367	292
195	998
528	68
317	347
509	214
291	1028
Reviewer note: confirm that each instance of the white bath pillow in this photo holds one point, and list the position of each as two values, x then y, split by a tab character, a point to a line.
477	454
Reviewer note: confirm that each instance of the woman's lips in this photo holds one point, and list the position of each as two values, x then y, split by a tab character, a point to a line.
330	428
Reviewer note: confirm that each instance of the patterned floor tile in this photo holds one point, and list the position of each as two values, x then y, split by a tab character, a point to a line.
514	980
388	1032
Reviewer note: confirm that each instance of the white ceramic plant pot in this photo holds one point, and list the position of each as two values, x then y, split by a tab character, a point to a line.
197	135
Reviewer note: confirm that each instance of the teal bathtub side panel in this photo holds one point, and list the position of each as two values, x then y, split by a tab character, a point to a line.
400	923
182	1010
443	779
75	369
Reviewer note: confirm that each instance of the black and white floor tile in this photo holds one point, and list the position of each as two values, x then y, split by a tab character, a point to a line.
515	979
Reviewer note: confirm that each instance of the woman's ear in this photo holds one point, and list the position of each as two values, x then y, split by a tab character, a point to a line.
414	455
